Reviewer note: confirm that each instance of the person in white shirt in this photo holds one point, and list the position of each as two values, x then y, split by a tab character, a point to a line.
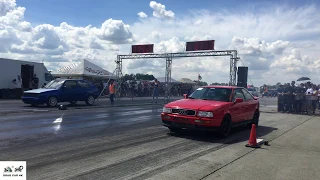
309	90
18	86
310	93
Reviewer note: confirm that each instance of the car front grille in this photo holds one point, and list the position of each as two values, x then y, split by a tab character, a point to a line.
30	94
185	112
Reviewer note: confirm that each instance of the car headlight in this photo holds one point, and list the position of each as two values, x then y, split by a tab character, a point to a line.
166	110
205	114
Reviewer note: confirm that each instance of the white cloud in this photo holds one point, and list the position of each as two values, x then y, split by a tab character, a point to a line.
198	38
142	15
25	26
95	45
159	10
46	37
170	46
156	35
8	37
276	46
6	6
115	31
255	46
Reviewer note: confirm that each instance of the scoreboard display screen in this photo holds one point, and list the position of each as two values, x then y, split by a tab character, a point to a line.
200	45
146	48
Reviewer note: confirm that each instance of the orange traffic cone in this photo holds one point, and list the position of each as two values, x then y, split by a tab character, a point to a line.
253	138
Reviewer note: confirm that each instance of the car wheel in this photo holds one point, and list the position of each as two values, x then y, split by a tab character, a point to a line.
52	101
255	119
73	102
175	130
90	100
225	127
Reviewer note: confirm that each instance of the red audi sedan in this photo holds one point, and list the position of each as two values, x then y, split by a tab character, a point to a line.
212	108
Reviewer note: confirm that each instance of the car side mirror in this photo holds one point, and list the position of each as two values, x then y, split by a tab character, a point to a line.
238	100
185	96
256	98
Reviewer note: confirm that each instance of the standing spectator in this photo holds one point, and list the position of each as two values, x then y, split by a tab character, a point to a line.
19	81
35	82
280	98
314	98
140	89
297	106
288	92
111	92
17	87
155	90
309	94
265	91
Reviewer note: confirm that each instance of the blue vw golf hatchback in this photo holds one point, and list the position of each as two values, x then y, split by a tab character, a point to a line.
62	90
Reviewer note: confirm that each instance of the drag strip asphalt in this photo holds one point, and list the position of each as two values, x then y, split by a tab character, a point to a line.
17	106
121	143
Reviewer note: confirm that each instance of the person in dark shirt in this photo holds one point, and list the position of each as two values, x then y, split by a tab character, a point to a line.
288	97
297	106
303	88
35	82
280	91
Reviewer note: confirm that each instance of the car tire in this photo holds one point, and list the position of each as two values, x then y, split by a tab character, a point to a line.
73	102
175	130
225	127
52	101
255	119
90	100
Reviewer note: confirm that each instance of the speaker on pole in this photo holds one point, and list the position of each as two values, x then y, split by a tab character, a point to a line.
242	76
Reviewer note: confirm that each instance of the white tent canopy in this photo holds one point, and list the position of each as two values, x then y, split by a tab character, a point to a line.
187	81
84	68
163	80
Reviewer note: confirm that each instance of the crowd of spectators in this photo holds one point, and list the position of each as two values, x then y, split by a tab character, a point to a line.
145	89
301	98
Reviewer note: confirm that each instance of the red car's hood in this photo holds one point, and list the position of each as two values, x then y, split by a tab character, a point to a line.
196	104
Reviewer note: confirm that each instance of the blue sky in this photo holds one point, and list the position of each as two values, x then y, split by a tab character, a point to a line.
272	37
94	12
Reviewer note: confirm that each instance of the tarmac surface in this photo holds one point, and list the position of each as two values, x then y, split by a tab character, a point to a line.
130	143
17	106
13	106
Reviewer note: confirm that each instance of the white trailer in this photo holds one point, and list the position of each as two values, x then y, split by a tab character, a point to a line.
10	69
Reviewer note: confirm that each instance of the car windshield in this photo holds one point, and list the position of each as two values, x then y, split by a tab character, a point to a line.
215	94
55	84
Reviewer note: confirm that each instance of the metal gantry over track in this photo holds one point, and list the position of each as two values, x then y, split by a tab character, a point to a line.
169	56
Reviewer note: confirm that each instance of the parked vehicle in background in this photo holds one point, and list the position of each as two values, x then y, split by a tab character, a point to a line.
253	91
10	69
273	93
212	108
62	90
270	94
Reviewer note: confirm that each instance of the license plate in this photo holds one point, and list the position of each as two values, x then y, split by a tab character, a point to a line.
180	119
